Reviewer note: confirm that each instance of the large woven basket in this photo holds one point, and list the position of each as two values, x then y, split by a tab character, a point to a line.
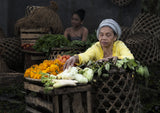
12	54
125	33
117	93
144	47
121	2
146	23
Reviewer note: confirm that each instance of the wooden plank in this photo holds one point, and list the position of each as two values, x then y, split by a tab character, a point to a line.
39	102
10	78
24	36
38	57
34	30
77	105
65	104
89	102
70	89
33	87
28	41
56	104
31	110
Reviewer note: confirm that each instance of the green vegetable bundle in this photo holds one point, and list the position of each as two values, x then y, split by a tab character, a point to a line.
118	66
49	41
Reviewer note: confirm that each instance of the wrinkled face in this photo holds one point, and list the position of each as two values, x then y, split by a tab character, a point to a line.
106	36
76	21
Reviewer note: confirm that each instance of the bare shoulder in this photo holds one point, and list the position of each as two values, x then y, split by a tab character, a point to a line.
85	29
68	29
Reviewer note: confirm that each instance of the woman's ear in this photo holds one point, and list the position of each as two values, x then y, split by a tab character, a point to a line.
115	37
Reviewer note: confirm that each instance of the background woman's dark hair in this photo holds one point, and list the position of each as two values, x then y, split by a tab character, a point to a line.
80	13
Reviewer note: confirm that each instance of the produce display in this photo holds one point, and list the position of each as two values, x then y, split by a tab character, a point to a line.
47	66
52	75
49	41
27	46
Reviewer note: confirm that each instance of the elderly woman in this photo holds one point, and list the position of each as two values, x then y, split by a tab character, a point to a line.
108	46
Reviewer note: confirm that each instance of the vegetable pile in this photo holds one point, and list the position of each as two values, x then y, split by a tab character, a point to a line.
26	46
88	73
47	66
118	66
70	77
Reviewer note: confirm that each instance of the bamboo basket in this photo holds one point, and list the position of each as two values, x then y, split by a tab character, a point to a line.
117	93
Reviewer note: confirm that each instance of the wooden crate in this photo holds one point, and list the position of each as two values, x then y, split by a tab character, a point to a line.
30	36
32	57
62	100
12	93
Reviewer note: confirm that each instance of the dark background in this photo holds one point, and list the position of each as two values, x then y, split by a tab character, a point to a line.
12	10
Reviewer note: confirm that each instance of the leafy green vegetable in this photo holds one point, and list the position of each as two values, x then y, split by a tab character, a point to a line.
49	41
127	64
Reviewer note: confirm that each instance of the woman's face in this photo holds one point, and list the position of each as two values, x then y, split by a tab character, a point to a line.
106	36
76	21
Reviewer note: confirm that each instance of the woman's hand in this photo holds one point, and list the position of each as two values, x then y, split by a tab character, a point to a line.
70	62
114	59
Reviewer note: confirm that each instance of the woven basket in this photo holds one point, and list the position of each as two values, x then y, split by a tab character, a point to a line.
117	93
12	54
146	23
125	33
144	47
121	2
30	9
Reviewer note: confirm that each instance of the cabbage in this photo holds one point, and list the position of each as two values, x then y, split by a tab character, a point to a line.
88	73
81	79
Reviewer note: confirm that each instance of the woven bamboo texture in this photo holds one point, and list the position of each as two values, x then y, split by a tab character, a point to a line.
125	33
146	23
12	54
30	9
121	2
117	93
144	47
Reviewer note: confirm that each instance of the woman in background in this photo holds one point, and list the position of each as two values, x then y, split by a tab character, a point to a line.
77	31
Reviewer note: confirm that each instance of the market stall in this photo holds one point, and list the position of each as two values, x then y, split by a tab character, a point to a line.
102	87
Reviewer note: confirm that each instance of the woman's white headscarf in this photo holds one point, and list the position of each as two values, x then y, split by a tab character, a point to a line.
112	24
